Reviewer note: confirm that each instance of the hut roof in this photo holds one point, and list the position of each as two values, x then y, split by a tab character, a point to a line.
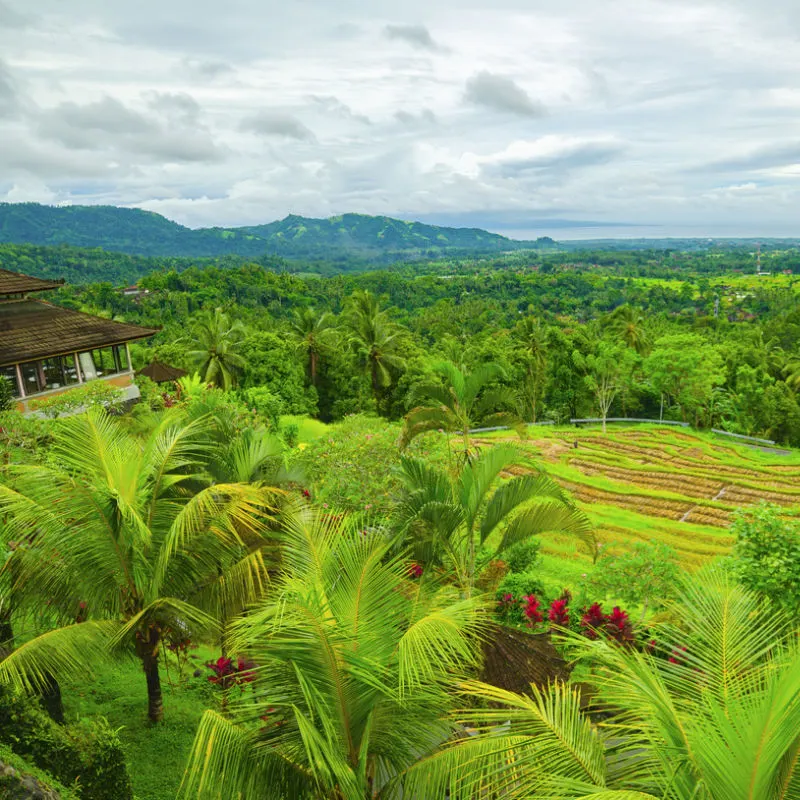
32	329
16	283
161	373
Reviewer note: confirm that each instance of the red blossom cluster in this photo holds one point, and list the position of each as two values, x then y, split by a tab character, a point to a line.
616	625
559	613
531	610
227	674
415	571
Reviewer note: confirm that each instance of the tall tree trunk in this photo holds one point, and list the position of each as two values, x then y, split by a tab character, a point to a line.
312	363
6	629
50	699
148	648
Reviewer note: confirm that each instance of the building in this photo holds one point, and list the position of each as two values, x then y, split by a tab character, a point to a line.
46	349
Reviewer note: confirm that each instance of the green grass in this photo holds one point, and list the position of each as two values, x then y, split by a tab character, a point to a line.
156	754
309	429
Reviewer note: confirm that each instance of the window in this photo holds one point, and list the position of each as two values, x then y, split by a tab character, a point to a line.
51	373
10	374
104	361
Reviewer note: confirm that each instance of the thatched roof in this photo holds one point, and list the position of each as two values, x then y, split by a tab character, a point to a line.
513	659
31	329
16	283
161	373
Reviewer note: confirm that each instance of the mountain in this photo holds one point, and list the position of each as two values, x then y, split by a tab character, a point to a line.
138	232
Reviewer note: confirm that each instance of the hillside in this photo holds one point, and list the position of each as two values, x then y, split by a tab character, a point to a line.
652	483
138	232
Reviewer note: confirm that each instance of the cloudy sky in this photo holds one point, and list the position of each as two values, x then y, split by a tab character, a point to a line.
572	118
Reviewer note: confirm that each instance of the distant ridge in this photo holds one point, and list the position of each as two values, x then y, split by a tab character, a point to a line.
139	232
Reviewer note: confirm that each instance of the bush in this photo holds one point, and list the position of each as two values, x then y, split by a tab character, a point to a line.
12	786
6	394
83	397
88	755
522	556
518	585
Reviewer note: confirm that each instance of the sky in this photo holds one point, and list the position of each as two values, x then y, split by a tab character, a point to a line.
573	119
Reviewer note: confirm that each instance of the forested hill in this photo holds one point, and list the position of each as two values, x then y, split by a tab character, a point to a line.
138	232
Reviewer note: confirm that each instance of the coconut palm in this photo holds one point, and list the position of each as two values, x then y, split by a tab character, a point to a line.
125	539
217	343
628	326
532	336
312	334
445	518
355	661
374	339
712	713
457	401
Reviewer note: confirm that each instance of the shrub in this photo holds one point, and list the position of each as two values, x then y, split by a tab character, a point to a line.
83	397
766	556
6	394
87	755
522	556
16	784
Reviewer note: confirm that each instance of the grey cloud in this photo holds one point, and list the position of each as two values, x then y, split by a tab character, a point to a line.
209	69
109	125
175	105
501	94
9	97
583	155
9	18
426	117
273	123
334	106
766	157
415	35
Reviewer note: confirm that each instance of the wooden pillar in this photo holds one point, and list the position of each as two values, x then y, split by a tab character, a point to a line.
20	382
78	367
128	353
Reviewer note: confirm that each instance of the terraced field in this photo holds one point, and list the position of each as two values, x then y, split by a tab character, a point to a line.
656	483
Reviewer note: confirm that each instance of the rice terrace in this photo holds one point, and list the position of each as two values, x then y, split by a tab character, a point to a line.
655	483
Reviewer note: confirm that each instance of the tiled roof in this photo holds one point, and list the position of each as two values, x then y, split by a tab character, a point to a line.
31	329
15	283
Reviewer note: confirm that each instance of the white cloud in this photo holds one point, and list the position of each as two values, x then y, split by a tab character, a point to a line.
676	114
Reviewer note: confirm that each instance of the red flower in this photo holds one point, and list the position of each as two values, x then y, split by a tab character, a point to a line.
531	610
306	493
593	620
415	571
619	627
677	656
559	613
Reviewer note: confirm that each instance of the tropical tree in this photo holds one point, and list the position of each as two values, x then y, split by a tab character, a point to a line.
628	326
532	336
312	334
374	339
445	519
711	712
456	401
123	543
355	664
217	343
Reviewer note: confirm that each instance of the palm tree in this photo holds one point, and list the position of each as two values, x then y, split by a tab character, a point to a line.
532	336
792	373
457	401
312	334
217	345
444	518
712	713
355	661
374	339
127	537
629	327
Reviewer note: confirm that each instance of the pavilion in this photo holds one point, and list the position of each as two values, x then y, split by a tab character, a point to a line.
46	349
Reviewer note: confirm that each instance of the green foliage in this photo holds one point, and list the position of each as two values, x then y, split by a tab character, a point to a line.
267	405
6	395
87	756
98	393
520	584
766	555
522	556
12	788
646	575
